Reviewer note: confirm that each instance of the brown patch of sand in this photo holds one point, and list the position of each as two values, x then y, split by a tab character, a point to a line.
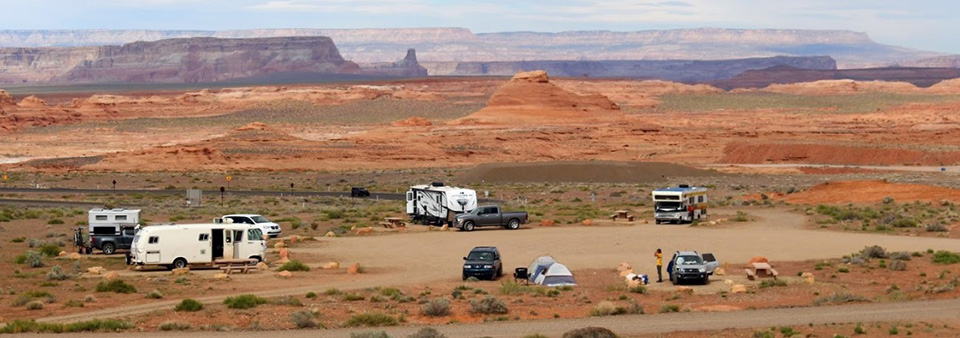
870	191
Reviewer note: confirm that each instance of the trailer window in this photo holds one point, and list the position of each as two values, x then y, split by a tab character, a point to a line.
120	217
409	196
204	237
100	217
666	197
153	240
700	199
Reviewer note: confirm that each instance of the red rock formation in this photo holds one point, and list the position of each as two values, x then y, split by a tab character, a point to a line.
921	77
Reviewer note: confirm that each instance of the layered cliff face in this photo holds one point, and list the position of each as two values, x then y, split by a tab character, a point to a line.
32	65
199	60
921	77
672	70
946	61
850	49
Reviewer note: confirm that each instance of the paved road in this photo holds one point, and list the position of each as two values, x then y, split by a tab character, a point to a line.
387	196
638	324
48	203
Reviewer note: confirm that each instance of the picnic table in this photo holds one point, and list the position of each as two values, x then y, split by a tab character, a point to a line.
760	269
230	265
622	214
393	222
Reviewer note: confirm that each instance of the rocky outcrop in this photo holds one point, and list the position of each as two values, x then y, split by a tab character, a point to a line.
671	70
200	60
851	49
408	67
921	77
946	61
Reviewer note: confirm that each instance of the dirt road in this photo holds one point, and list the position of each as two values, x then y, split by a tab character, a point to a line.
423	258
642	324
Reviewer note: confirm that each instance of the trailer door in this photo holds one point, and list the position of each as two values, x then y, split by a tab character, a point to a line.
153	249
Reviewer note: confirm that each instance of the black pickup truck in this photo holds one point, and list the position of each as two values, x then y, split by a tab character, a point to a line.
490	215
109	243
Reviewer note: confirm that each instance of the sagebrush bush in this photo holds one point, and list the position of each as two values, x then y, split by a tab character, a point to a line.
839	298
371	319
189	305
874	251
174	326
116	286
936	227
244	301
155	294
439	307
945	257
427	332
56	273
667	308
50	250
898	265
287	301
294	265
32	259
304	319
489	305
370	334
35	305
590	332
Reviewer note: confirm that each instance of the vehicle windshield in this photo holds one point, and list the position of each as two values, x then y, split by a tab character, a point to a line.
689	260
668	206
474	211
480	256
260	219
254	235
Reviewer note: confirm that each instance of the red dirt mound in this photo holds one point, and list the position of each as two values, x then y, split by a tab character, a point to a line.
870	192
529	97
746	153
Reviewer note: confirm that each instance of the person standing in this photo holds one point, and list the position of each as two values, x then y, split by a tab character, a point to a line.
659	256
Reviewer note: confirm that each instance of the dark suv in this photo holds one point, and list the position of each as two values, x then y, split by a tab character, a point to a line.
690	265
483	262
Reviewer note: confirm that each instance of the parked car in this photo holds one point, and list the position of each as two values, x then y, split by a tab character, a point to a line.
267	227
483	262
359	192
690	265
490	215
110	243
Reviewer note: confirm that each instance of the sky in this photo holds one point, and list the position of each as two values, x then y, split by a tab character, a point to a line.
921	24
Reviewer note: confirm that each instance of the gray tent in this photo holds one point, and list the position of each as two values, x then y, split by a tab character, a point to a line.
539	266
557	275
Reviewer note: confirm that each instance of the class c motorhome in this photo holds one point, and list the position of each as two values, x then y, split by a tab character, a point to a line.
679	204
177	246
437	204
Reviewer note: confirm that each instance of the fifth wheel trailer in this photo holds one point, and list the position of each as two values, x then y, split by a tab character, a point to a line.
437	204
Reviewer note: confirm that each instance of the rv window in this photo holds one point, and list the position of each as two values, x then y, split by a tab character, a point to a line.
666	197
700	199
101	217
409	196
120	217
204	237
239	236
154	240
254	235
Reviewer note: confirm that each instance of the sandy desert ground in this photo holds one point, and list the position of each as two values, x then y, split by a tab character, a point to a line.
548	146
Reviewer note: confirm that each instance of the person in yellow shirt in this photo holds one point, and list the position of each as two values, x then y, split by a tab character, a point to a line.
659	256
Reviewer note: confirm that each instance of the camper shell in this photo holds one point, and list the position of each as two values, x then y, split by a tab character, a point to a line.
112	221
177	246
679	204
436	203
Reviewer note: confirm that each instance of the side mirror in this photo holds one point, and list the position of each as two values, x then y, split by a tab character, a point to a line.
464	258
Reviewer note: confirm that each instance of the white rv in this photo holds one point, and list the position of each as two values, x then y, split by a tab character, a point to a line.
177	246
679	204
437	204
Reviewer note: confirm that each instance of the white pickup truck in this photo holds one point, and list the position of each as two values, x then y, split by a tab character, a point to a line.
266	226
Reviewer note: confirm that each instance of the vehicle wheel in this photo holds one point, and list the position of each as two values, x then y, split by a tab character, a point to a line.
499	272
464	276
109	249
705	281
89	250
468	226
657	221
179	263
514	224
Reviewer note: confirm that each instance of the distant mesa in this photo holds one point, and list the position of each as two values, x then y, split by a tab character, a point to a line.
407	67
920	77
530	97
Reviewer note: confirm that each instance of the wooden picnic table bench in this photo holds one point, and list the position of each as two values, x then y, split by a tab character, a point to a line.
230	265
624	214
761	269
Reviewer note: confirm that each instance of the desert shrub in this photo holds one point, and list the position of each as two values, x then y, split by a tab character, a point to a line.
764	334
936	227
331	292
391	292
54	221
512	288
311	295
489	305
900	255
35	305
304	319
50	250
117	286
56	273
189	305
370	334
607	308
427	332
155	294
638	289
898	265
32	259
859	329
73	303
741	217
439	307
352	297
26	326
106	325
874	251
953	284
590	332
535	335
294	265
287	301
839	298
667	308
905	223
371	319
945	257
772	283
174	326
18	240
244	301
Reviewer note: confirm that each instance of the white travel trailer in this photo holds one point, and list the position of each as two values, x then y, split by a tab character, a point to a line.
437	204
177	246
679	204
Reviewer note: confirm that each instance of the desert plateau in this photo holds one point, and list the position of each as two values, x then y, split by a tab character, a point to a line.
465	182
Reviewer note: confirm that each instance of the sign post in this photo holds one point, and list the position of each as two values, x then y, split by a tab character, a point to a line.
228	181
222	189
114	187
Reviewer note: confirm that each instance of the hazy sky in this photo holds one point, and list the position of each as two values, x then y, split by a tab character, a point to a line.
923	24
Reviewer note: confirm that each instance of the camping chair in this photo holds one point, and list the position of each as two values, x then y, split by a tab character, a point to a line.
521	274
